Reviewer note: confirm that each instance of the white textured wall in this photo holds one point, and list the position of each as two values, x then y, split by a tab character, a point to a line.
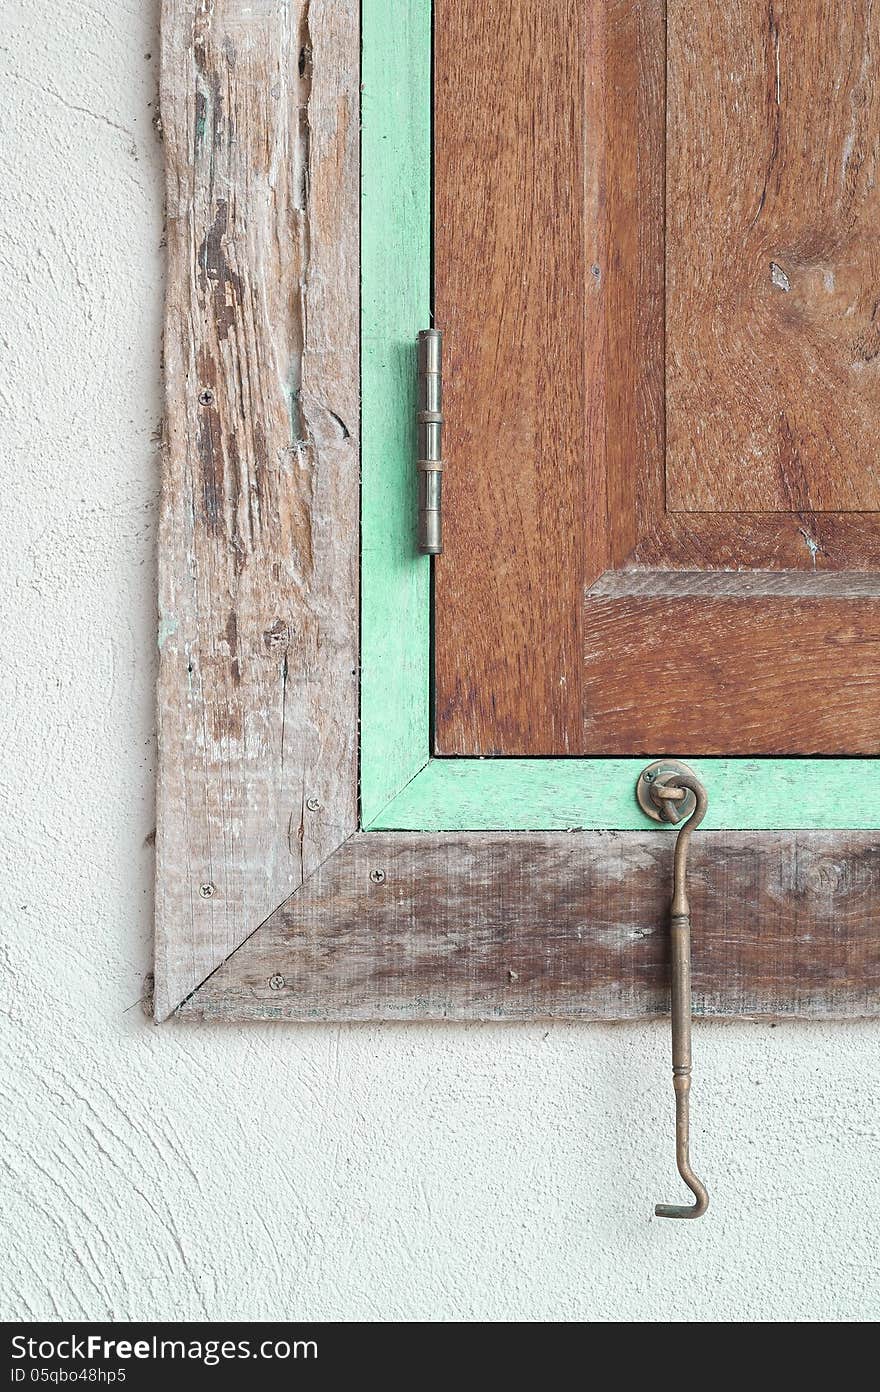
388	1173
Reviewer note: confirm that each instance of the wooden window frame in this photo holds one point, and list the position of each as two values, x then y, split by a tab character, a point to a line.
305	875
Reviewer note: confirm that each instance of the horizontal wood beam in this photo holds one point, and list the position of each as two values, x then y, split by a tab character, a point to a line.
568	925
732	665
599	795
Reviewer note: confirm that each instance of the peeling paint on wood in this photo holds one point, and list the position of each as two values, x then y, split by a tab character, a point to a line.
258	584
395	304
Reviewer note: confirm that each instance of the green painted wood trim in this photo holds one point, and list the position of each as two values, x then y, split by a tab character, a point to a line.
401	787
395	303
563	794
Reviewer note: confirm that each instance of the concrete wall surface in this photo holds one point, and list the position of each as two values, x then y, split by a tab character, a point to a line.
388	1173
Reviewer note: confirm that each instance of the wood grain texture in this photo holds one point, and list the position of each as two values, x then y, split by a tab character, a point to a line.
631	127
504	622
634	520
772	256
641	528
258	567
506	927
395	305
518	269
803	541
718	668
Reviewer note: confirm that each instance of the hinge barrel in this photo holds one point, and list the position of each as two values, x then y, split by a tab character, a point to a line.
429	421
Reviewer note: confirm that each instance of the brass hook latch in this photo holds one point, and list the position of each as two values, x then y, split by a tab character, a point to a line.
667	791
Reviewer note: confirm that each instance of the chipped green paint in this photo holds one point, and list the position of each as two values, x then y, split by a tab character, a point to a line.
395	302
567	794
167	629
402	788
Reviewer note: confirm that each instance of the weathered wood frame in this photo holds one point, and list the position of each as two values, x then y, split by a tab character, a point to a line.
477	888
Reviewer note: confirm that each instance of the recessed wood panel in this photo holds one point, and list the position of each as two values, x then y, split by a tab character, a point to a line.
773	256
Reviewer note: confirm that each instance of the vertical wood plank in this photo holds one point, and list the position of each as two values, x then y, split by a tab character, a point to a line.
258	573
396	272
519	243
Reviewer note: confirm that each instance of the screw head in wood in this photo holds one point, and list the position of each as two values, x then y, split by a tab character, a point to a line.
206	397
377	876
276	981
313	804
206	890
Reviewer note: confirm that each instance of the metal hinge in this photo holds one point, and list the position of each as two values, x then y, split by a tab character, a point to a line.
429	419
